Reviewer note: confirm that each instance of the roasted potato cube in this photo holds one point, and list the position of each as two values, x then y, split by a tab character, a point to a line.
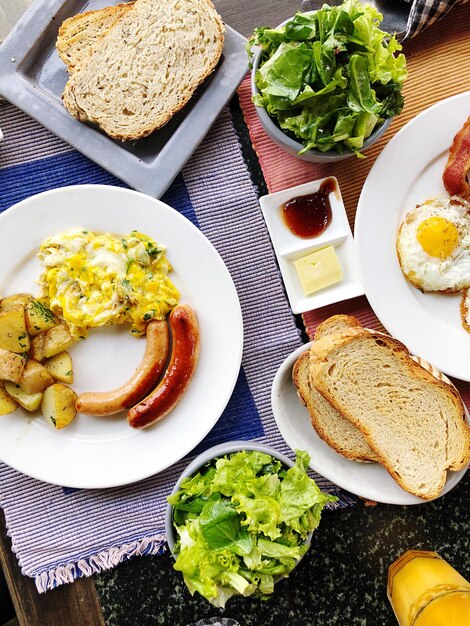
58	405
60	367
11	366
29	401
7	404
52	342
35	378
11	301
13	333
39	318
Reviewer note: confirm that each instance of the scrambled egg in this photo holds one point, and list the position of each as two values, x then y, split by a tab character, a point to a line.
91	280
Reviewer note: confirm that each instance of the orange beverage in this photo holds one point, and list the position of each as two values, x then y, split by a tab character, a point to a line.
424	590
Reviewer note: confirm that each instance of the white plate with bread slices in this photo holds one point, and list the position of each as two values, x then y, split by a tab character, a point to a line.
134	86
408	173
379	408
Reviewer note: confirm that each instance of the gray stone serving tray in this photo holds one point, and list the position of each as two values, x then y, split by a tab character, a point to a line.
32	77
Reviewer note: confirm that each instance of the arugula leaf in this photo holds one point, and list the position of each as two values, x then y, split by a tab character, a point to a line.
361	97
287	70
300	28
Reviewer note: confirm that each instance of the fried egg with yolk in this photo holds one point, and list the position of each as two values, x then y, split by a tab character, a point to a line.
433	245
92	279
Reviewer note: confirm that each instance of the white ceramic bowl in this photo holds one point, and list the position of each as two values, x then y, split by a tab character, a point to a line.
293	147
212	453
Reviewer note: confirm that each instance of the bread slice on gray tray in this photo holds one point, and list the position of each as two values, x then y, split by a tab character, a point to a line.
79	33
329	424
413	421
146	67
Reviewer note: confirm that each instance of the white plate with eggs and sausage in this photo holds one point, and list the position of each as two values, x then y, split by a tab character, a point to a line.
434	243
98	452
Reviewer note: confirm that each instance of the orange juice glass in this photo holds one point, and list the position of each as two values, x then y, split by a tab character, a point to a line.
424	590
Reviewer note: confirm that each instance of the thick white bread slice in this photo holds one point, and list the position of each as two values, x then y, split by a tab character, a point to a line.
336	324
454	439
414	422
78	34
335	430
330	425
146	67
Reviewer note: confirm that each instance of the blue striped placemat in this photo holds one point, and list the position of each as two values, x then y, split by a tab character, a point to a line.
96	530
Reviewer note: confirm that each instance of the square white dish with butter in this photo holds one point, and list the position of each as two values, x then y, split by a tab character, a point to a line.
313	243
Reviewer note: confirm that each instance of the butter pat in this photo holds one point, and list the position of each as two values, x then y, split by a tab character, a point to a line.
318	270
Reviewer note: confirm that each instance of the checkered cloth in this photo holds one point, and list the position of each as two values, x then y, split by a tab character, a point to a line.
425	12
422	14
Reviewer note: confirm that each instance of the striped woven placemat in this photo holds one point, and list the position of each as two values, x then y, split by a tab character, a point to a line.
95	530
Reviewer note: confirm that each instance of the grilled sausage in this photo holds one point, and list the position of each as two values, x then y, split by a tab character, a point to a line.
183	361
142	382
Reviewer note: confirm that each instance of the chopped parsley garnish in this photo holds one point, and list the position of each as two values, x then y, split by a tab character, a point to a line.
149	315
41	309
152	250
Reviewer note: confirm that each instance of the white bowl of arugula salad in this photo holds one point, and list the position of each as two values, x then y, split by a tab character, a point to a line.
240	518
327	83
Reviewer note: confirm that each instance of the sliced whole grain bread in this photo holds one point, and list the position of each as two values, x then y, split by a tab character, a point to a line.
78	34
329	424
414	421
146	67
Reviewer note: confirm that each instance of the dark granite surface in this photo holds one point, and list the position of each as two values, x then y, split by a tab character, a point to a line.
342	579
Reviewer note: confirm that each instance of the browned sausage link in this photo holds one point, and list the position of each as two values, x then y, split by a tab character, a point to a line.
144	380
183	361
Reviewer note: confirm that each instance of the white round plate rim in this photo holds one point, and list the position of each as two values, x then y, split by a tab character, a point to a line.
423	140
56	205
328	463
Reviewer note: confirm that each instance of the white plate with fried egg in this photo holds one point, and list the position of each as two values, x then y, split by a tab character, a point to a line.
408	173
98	452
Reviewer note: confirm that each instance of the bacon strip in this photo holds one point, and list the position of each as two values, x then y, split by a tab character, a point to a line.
455	172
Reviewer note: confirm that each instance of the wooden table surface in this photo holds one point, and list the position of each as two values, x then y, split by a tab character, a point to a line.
77	604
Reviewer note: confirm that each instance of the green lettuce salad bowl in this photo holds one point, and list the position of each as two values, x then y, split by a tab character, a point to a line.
240	518
326	84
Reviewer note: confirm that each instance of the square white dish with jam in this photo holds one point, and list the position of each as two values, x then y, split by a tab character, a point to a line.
306	220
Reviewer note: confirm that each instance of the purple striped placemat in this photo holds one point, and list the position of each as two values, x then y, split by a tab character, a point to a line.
61	534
